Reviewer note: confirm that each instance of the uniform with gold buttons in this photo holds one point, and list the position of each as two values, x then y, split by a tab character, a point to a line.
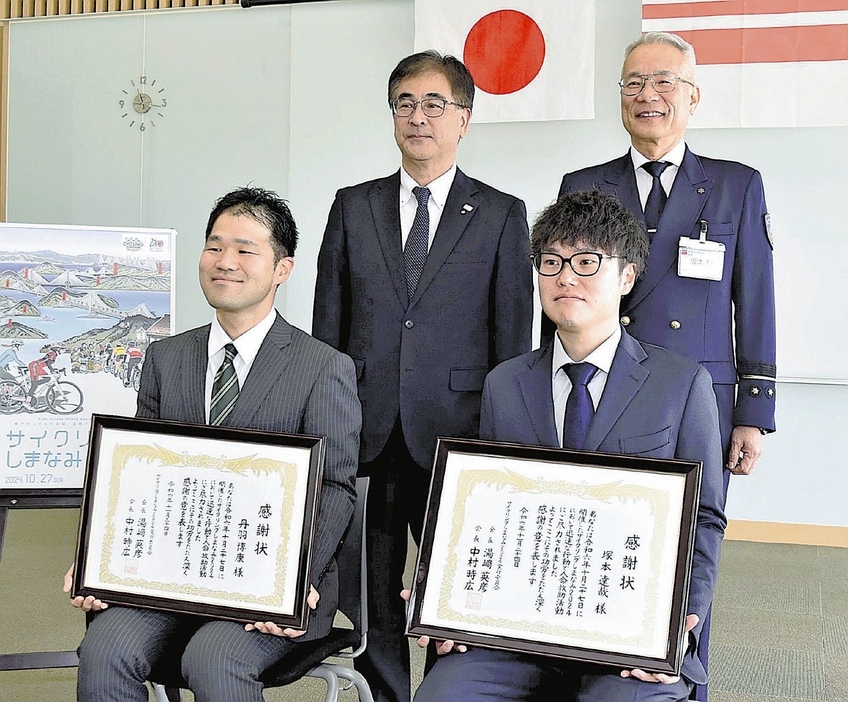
695	317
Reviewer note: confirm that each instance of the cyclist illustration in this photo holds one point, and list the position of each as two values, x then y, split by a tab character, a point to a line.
10	355
134	357
40	371
120	357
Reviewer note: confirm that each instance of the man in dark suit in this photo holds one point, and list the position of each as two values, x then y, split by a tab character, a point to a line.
289	382
635	398
708	291
423	279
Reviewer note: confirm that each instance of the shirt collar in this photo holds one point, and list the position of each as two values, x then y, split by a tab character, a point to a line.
247	344
439	188
601	357
674	157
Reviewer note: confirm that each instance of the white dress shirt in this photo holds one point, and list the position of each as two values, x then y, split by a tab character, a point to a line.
561	384
439	190
645	180
247	346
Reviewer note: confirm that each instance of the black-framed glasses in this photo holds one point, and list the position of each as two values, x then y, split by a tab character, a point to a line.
661	82
431	107
585	263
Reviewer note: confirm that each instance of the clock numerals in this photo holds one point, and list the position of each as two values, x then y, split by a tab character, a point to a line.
142	103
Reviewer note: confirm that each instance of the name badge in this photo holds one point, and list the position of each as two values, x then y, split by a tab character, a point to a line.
700	258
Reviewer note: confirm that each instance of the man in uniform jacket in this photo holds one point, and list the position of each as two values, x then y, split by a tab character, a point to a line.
423	279
687	311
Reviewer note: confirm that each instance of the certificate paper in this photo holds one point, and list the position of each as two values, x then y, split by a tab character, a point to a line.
217	523
557	552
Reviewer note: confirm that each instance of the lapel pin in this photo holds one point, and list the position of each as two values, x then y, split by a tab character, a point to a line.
466	209
701	191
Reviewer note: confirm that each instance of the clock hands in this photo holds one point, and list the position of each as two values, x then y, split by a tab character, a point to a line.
142	102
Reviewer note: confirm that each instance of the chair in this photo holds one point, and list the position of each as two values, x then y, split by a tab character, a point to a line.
353	603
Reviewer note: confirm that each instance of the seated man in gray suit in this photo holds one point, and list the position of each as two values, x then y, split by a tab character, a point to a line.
289	382
634	398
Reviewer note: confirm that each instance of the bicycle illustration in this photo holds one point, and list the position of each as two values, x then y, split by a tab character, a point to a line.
50	395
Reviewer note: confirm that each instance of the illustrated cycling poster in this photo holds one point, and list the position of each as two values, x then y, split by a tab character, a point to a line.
78	308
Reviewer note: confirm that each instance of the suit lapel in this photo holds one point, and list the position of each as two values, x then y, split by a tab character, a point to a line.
385	209
535	384
685	203
626	376
197	359
451	227
621	179
270	362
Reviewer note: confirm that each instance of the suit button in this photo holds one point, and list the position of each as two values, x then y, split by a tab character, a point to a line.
674	324
409	324
625	320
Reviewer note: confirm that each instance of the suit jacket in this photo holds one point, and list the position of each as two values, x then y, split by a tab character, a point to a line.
729	197
425	359
296	385
655	403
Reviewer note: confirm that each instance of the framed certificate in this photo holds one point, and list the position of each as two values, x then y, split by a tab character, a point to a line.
562	553
199	519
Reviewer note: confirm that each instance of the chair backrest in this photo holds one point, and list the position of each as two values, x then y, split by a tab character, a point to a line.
353	568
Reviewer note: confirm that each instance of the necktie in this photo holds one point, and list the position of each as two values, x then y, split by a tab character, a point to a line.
657	197
225	388
415	251
578	408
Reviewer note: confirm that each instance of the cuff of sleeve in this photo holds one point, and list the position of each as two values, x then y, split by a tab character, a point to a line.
755	401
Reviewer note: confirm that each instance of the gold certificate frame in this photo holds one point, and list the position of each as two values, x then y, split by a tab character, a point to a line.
198	519
579	555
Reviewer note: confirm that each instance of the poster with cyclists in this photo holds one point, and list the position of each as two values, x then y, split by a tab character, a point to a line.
78	308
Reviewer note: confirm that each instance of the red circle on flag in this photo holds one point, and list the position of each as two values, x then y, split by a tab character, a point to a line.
504	51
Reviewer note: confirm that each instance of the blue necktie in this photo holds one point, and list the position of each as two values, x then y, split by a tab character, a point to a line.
578	408
656	198
225	388
415	251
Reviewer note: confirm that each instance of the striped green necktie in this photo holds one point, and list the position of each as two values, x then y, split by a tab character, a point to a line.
225	388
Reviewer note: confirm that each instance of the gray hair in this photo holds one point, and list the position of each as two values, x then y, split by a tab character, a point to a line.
684	47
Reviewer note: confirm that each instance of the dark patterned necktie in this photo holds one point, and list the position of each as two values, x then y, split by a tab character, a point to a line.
578	408
657	197
225	388
415	251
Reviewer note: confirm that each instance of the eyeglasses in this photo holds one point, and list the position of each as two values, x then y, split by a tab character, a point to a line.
431	107
585	263
661	82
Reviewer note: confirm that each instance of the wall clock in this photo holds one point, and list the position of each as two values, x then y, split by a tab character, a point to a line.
142	103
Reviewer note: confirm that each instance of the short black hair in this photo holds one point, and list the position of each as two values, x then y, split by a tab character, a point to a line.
265	207
460	80
597	220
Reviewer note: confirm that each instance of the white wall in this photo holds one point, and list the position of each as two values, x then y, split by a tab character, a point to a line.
74	160
293	98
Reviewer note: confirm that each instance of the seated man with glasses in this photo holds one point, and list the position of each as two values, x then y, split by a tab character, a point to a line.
424	281
595	388
721	312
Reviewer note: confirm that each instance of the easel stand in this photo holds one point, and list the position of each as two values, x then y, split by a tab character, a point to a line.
46	659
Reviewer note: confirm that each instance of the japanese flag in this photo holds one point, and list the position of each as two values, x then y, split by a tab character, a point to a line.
530	59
